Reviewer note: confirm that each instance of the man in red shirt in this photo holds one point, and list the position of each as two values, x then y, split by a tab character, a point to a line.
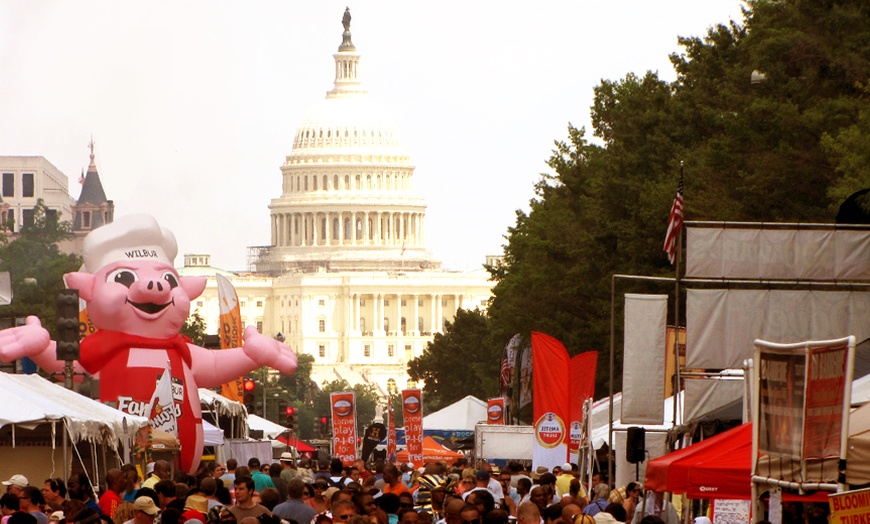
392	480
116	481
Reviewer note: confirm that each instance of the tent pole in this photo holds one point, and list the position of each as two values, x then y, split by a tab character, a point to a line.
65	454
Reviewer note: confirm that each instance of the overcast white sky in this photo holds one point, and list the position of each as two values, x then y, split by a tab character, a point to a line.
193	105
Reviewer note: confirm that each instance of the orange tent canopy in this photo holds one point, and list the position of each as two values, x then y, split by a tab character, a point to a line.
432	452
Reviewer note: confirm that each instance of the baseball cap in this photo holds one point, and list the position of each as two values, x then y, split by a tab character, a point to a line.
17	480
146	505
567	467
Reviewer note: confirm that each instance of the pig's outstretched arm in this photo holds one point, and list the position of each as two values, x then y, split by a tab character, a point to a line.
30	340
212	368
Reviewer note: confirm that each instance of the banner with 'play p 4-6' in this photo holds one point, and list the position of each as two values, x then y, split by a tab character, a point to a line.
412	411
343	406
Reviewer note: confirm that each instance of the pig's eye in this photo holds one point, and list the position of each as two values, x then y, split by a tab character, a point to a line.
125	277
173	282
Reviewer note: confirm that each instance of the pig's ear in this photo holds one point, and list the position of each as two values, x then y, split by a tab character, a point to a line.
84	282
194	286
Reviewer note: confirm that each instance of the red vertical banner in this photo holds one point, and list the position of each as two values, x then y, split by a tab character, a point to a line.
581	387
412	411
823	408
391	434
550	369
343	406
230	331
495	411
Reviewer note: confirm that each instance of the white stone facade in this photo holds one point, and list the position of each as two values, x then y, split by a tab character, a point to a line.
347	277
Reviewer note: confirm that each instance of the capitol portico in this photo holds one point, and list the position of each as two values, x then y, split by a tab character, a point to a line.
347	277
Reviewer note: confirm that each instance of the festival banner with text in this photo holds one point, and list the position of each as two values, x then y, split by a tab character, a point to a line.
230	331
550	365
582	387
823	411
412	410
343	407
495	411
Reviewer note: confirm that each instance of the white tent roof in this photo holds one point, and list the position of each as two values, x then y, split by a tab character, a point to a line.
212	435
30	400
462	415
220	404
270	429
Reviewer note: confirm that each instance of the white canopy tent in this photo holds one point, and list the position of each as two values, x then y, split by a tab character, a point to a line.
37	417
31	400
270	429
462	415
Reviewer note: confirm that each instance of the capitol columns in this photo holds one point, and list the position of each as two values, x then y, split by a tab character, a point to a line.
415	331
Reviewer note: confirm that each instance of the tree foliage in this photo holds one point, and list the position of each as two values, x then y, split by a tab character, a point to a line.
461	361
790	148
36	266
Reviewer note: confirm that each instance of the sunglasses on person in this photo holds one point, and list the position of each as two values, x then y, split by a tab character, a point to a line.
320	486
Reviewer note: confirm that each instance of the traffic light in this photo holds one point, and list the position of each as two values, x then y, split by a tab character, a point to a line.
250	388
325	430
291	418
68	324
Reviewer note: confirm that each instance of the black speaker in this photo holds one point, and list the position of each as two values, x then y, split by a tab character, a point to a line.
635	445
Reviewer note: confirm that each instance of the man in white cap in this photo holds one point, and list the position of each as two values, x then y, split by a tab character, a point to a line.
144	511
16	484
563	484
288	466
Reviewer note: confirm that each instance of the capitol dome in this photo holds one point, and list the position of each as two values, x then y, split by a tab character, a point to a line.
349	125
347	200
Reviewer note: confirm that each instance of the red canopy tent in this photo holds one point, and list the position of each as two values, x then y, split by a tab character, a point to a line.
300	446
432	452
716	468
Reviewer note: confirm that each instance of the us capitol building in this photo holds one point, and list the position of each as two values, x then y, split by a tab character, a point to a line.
347	277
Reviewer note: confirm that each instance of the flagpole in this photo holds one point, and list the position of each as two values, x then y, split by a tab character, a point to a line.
676	385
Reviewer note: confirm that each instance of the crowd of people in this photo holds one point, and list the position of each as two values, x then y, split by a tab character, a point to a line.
306	492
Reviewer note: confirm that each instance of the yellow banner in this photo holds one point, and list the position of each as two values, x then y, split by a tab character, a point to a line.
230	331
850	507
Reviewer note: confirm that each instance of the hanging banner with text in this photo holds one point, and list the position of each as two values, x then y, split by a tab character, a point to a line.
550	365
343	406
495	411
230	331
803	398
581	384
412	411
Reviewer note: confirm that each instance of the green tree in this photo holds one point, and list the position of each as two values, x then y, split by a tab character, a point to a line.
194	328
461	361
36	266
789	148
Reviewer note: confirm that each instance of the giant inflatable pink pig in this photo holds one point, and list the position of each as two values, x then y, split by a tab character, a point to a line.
138	303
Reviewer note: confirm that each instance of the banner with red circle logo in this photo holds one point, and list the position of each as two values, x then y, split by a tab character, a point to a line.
582	387
550	365
343	406
412	409
495	411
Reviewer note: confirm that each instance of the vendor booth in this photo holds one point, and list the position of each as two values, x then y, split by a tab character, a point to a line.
47	430
719	467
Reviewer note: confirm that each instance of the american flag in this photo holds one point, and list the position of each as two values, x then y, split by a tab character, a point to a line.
505	374
675	224
507	362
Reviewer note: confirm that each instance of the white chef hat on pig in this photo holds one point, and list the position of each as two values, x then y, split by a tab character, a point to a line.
130	237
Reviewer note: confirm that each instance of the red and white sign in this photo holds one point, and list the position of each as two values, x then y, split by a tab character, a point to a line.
550	365
495	411
412	409
343	406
